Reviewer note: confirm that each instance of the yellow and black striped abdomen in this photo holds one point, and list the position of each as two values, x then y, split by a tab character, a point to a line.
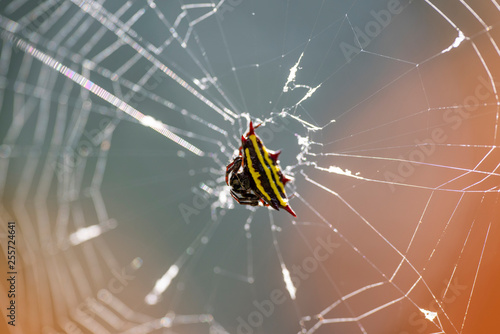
264	171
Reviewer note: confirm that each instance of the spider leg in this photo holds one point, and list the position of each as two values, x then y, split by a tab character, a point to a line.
289	209
233	167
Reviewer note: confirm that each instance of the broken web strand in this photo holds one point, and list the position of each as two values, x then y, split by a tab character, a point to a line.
145	120
488	174
466	171
403	259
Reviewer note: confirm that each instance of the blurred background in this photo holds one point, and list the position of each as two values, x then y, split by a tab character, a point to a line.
118	119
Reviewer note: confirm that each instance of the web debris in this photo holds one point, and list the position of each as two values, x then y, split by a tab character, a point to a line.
291	85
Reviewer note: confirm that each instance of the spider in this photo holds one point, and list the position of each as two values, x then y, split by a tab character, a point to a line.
260	180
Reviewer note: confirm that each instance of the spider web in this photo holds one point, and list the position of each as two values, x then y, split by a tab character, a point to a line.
387	116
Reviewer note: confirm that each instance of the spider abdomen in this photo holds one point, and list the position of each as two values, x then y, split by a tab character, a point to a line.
265	173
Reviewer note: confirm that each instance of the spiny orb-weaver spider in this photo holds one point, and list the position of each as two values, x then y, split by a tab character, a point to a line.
261	179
